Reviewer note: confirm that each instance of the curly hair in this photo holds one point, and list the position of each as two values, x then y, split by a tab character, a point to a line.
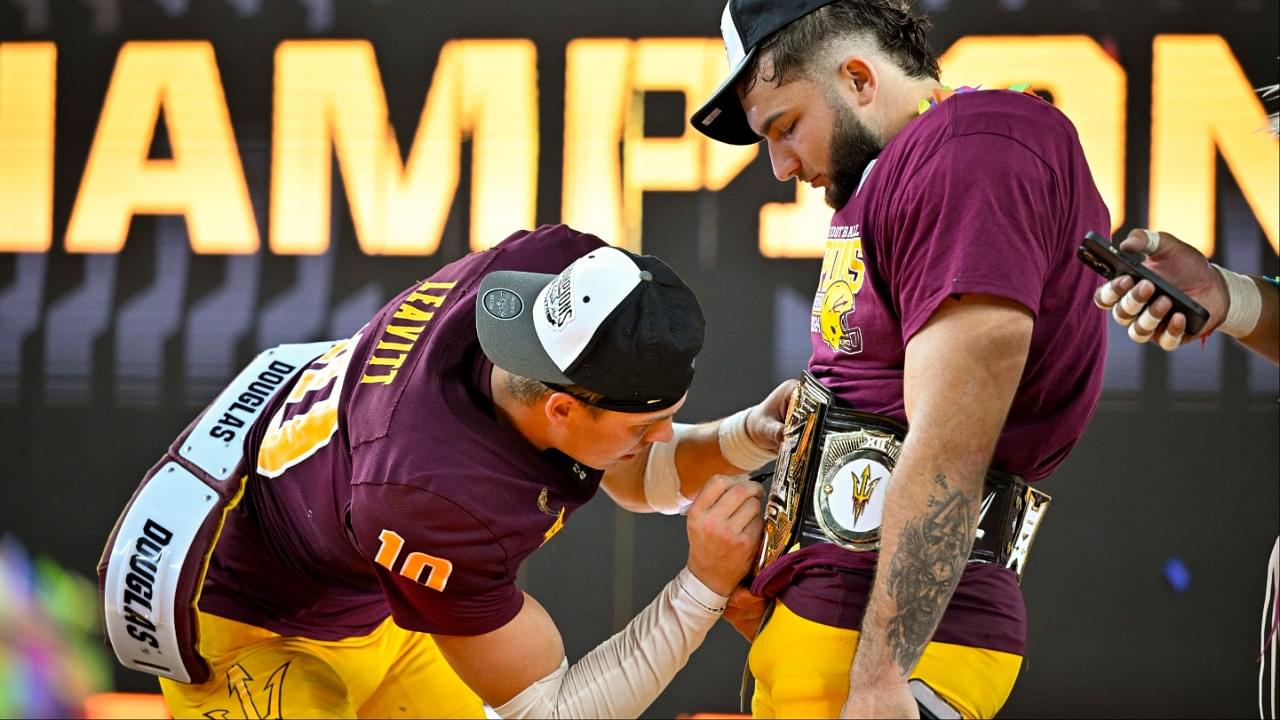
889	23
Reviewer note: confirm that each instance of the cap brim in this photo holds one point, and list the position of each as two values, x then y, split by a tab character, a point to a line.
512	342
722	118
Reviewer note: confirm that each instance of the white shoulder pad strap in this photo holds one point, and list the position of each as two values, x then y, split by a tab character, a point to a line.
216	444
155	559
141	590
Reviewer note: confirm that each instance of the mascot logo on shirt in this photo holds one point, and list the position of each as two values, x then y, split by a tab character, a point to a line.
838	306
843	273
556	526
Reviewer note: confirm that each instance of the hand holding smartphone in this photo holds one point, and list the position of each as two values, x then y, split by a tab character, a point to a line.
1109	261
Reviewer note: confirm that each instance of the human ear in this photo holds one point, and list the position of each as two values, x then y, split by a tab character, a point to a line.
560	408
858	79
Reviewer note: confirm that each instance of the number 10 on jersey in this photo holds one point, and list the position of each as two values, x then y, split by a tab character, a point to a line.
438	569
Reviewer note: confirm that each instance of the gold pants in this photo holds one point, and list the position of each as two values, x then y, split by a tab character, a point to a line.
802	667
391	672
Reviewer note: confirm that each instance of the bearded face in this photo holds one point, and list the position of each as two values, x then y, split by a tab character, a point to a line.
853	147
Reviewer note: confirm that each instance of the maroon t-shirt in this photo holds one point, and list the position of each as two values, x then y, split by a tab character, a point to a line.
384	483
987	192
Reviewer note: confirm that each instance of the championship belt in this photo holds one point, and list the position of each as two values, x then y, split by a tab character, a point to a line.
835	468
153	566
805	412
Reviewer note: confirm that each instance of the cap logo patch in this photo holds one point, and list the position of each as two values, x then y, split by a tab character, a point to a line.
502	304
559	301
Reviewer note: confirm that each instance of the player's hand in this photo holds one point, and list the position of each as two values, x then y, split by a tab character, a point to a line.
764	421
1183	266
744	612
725	525
892	701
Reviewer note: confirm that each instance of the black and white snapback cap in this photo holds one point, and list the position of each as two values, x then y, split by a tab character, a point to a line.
745	24
621	325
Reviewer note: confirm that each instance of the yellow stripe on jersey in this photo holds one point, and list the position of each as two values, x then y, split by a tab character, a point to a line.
289	442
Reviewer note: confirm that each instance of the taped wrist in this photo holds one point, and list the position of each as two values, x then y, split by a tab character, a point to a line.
661	479
1244	304
737	447
626	673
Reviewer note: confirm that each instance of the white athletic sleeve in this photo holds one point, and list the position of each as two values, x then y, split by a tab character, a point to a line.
622	676
661	479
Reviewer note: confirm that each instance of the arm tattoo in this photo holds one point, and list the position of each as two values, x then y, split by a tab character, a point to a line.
931	555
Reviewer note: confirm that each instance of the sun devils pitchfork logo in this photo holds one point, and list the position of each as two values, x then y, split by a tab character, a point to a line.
863	486
854	475
260	703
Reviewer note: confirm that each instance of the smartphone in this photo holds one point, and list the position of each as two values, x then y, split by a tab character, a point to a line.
930	703
1108	261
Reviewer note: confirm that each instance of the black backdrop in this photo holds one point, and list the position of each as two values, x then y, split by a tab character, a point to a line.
103	358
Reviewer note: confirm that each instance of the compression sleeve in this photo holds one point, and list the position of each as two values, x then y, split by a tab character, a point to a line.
622	676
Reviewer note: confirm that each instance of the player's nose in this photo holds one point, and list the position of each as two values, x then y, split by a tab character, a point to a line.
785	163
661	432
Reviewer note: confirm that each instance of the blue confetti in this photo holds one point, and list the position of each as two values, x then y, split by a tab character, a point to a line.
1176	572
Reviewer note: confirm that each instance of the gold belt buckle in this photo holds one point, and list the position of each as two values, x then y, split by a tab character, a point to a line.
854	478
787	489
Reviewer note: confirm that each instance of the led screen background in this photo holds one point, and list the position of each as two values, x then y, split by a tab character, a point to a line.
184	183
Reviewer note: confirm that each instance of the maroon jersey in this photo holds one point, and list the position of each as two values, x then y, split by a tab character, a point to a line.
988	192
384	484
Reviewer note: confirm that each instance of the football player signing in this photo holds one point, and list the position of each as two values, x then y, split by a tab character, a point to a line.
394	485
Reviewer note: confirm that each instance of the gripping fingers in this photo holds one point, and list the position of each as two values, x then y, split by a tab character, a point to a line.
1109	294
742	491
1153	242
1171	338
742	519
742	504
1131	303
1141	240
1142	329
1169	342
1106	296
742	599
744	612
723	496
711	493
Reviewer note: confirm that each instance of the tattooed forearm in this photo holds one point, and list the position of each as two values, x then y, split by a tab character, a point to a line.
931	554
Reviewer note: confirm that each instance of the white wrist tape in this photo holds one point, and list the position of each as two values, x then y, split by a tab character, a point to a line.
1244	306
627	672
661	479
737	447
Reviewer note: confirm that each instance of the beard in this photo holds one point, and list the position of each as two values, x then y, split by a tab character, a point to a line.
853	147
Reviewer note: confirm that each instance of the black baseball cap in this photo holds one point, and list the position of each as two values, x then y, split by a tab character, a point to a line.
619	324
745	24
